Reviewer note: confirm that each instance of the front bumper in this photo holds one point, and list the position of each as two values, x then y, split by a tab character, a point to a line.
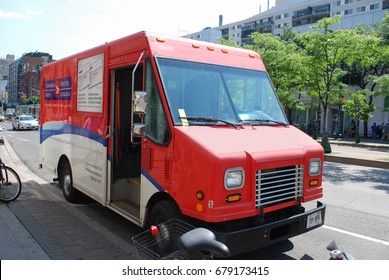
253	238
26	126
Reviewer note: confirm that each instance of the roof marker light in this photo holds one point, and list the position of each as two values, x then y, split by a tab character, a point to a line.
224	51
196	46
160	39
210	48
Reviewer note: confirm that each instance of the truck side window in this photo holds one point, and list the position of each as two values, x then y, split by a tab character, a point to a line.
157	128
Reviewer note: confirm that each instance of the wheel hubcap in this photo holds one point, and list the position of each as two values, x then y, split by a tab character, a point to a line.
67	183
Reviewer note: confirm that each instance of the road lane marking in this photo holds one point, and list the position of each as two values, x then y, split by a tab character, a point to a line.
25	140
358	235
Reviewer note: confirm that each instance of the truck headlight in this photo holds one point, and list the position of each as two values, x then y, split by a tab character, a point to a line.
314	167
234	178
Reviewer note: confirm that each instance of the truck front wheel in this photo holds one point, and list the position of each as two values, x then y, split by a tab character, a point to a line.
163	211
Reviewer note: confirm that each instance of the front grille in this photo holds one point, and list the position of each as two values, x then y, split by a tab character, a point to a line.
278	185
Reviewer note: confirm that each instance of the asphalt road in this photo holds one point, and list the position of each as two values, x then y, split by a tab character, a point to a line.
357	215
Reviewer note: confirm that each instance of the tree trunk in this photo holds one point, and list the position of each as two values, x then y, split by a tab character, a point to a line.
357	139
324	142
365	123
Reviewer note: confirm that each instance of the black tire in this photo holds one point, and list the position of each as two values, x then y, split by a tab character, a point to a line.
71	194
163	211
10	186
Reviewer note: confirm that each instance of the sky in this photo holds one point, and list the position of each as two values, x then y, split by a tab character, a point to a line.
65	27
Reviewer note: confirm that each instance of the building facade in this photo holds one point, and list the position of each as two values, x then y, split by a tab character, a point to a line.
4	77
24	76
300	15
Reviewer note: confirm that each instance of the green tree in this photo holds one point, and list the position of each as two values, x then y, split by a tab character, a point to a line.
325	54
382	28
231	42
356	107
382	85
33	100
283	62
372	62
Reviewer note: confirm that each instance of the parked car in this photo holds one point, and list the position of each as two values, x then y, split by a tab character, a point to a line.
25	122
2	118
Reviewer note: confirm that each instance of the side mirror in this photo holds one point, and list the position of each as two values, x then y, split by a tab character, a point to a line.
139	129
139	105
140	102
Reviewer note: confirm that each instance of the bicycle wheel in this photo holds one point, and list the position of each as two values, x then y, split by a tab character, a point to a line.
10	185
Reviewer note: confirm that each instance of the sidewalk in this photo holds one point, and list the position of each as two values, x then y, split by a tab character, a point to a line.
41	226
16	243
370	153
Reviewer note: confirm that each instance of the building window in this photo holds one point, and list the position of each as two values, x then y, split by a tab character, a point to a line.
336	3
278	17
277	26
375	6
361	9
336	14
348	12
348	1
286	15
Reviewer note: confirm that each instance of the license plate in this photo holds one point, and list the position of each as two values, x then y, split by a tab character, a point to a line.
314	219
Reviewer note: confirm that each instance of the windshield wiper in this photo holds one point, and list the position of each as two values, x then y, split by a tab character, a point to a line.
266	121
209	119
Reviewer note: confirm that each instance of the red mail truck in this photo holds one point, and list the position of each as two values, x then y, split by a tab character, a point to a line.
155	128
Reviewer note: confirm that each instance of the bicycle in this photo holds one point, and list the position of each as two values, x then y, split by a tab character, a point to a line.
10	184
178	240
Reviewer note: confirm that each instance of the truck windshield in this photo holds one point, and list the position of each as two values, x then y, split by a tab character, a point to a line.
205	94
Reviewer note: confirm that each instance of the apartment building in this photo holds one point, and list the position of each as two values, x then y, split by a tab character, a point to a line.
300	15
4	73
24	76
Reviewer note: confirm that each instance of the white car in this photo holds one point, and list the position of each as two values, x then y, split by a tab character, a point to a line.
25	122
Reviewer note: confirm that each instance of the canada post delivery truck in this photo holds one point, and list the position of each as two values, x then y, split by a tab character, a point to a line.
156	128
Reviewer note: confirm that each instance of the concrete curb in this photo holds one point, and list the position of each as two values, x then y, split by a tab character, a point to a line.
356	161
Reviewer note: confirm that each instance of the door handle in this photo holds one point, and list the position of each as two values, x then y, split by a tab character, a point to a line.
107	132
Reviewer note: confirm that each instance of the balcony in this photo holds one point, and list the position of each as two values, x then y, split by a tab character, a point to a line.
319	11
254	25
310	15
